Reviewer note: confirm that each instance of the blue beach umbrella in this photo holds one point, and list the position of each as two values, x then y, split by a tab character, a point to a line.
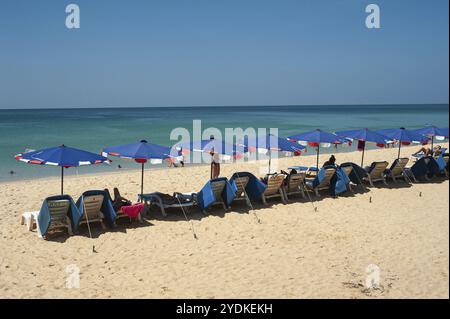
402	135
272	143
365	135
315	138
212	146
141	152
433	131
62	156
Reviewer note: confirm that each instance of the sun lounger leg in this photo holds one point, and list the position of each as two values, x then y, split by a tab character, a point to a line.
69	226
283	199
264	199
385	182
316	191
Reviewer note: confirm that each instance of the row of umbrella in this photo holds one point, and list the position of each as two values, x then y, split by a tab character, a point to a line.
142	152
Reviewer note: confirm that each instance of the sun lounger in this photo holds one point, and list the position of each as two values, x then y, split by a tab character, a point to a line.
274	188
92	205
294	184
247	187
166	201
375	173
57	212
216	191
424	169
397	170
322	180
241	183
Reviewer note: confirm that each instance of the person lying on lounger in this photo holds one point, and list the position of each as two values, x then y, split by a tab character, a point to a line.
118	202
437	150
424	151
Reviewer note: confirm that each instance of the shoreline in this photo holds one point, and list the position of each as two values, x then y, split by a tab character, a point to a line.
149	167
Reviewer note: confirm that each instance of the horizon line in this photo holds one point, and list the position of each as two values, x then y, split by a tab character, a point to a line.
205	106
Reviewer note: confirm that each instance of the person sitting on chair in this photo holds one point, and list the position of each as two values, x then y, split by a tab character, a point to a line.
331	161
118	202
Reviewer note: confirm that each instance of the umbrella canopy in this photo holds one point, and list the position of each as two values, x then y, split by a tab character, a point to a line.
141	152
315	138
403	136
365	135
62	156
433	131
272	143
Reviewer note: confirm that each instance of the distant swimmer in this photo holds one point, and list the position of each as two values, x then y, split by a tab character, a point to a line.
12	172
119	166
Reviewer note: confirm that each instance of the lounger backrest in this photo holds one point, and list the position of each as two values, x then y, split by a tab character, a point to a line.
217	188
295	180
92	206
58	209
347	170
378	169
329	173
274	183
398	166
241	184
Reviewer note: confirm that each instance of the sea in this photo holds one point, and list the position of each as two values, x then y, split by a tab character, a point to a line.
94	128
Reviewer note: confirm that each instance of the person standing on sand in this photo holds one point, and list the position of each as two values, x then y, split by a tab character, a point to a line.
215	162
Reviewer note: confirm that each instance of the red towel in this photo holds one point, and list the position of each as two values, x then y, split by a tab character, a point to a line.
133	210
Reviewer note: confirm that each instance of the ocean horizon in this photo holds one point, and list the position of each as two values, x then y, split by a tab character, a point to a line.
94	128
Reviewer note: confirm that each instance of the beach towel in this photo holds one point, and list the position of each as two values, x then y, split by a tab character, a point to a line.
255	187
133	211
357	174
340	182
319	177
107	207
425	166
206	195
43	219
442	164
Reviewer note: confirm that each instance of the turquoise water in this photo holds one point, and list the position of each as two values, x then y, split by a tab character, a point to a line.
92	129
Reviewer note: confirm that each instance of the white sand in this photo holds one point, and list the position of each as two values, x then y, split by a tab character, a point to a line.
294	252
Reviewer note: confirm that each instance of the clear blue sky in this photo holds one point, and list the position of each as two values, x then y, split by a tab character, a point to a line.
222	52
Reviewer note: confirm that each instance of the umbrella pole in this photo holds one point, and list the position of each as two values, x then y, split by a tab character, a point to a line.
399	148
362	158
432	142
142	182
62	180
318	152
270	159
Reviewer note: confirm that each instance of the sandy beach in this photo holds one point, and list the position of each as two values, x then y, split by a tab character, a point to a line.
292	252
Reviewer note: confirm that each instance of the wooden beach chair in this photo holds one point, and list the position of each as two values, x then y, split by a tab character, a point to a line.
397	170
325	184
375	173
92	210
59	218
274	188
295	185
241	183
